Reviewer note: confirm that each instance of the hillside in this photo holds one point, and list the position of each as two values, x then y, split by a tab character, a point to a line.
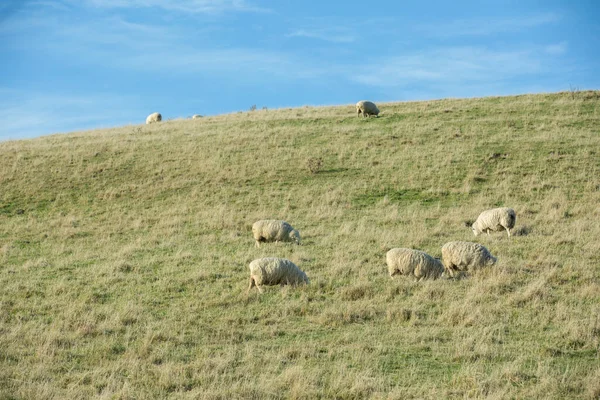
124	255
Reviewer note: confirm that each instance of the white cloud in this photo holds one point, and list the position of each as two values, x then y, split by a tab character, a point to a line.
185	6
557	48
446	65
487	26
328	36
35	113
118	43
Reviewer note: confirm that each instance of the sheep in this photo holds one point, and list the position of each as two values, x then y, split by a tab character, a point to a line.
196	116
495	220
273	271
154	117
465	256
367	108
413	262
272	230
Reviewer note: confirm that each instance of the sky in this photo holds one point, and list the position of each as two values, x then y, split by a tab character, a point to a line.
73	65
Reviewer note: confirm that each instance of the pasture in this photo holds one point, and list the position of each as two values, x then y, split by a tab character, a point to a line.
124	255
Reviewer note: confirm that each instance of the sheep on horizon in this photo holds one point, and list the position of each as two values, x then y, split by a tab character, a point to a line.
154	117
367	108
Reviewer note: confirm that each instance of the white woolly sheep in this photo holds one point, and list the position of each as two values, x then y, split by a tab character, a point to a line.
413	262
154	117
495	220
196	116
272	230
367	108
275	271
465	256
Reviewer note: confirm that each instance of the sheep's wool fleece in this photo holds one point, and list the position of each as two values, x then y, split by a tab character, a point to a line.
367	107
272	229
154	117
496	219
466	255
274	271
410	261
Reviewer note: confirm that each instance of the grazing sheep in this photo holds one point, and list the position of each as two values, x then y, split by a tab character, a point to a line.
274	271
272	230
367	108
154	117
413	262
465	256
196	116
495	220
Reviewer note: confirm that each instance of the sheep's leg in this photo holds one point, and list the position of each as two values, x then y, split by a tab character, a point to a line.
508	231
450	270
252	284
257	243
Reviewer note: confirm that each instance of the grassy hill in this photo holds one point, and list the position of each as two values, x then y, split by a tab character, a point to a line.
124	255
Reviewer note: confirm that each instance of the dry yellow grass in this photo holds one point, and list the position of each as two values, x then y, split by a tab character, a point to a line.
124	255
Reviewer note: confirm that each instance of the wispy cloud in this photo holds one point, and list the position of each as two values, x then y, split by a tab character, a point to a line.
488	25
452	65
35	113
115	42
324	34
557	48
185	6
344	29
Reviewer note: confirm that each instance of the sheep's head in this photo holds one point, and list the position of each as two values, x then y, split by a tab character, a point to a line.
475	231
295	236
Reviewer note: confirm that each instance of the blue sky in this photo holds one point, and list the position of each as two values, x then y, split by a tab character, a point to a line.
69	65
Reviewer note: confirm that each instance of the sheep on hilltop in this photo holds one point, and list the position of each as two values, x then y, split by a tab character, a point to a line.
367	108
154	117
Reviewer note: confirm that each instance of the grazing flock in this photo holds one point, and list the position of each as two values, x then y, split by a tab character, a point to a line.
458	257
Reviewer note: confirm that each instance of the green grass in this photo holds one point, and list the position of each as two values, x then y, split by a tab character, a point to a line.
124	255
